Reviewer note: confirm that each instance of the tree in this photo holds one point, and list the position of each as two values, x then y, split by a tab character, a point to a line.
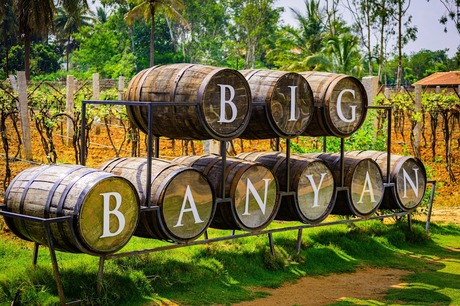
147	9
310	36
206	38
364	14
8	30
340	55
453	13
403	37
67	23
35	17
253	24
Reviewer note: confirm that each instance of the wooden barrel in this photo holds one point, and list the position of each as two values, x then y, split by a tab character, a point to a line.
282	104
363	180
311	181
251	187
210	102
340	104
408	175
184	197
104	208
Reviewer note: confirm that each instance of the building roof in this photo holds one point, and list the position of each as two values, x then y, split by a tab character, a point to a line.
440	79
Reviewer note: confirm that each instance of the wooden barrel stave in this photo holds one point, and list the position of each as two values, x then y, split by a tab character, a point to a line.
363	180
243	212
202	90
304	207
408	175
76	191
171	186
271	114
328	90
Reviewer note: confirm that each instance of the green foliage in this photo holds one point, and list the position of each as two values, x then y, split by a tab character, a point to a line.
44	59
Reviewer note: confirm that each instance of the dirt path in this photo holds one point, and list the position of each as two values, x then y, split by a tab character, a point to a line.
369	283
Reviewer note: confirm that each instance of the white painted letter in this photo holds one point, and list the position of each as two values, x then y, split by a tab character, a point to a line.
316	189
370	189
107	212
339	106
250	187
293	90
223	102
407	178
188	196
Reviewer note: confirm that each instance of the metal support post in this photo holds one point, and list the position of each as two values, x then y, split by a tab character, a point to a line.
299	240
272	246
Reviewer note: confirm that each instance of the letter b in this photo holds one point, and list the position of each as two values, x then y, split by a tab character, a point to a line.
115	212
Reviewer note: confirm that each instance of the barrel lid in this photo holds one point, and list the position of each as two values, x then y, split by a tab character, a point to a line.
254	191
366	188
287	96
228	88
347	102
187	204
315	191
409	177
108	215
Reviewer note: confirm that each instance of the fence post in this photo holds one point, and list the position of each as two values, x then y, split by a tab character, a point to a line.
24	114
121	87
96	87
371	85
418	125
70	89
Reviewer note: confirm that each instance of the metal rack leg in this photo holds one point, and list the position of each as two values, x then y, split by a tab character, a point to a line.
100	274
430	206
57	276
272	246
409	221
299	240
35	254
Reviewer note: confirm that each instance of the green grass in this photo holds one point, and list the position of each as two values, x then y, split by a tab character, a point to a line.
227	272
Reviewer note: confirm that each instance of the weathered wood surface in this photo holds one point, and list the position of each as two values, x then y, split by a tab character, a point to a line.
217	101
408	175
185	198
310	179
104	208
362	177
251	186
340	104
283	104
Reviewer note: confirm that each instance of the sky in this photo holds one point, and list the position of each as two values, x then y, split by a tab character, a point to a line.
425	15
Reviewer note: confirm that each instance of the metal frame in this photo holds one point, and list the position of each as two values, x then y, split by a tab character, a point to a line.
153	146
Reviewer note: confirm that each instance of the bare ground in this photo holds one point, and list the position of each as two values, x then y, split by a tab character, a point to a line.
368	283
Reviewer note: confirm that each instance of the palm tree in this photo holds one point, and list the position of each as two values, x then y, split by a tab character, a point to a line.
312	28
35	17
341	55
69	22
148	9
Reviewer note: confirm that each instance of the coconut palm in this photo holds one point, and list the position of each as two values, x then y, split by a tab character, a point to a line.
147	10
69	22
312	28
341	55
35	17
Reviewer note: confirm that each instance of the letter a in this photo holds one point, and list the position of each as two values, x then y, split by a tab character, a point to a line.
116	212
223	102
370	190
188	196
